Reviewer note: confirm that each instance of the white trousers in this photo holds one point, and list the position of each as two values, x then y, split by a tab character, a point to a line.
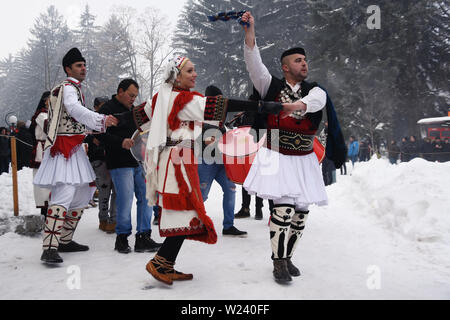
41	195
71	197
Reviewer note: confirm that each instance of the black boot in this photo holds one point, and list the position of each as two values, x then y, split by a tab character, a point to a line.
122	244
280	271
293	270
233	231
258	214
243	213
44	212
144	243
72	246
51	256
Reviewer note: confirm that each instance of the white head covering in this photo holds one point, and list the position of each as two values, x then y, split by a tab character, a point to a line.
157	136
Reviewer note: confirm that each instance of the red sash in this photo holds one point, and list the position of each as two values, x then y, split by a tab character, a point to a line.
66	145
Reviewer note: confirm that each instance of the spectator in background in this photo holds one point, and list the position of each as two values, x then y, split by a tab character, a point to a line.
328	167
5	151
438	150
364	150
353	150
208	172
327	171
126	173
446	150
393	152
413	147
38	129
404	152
426	149
106	190
24	145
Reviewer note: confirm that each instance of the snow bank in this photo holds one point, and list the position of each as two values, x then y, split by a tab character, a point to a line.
25	193
410	198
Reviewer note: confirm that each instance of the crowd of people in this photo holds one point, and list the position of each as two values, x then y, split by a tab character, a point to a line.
408	149
427	148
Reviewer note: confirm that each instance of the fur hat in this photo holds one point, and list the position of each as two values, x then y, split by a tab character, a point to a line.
293	51
74	55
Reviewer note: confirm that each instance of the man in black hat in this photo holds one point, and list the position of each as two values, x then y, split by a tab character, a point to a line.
287	171
65	168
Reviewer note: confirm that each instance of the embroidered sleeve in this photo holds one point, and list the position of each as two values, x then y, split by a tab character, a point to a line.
215	108
196	107
80	113
140	116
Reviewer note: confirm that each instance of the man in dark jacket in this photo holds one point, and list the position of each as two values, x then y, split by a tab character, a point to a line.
126	173
5	151
426	148
106	191
393	152
24	146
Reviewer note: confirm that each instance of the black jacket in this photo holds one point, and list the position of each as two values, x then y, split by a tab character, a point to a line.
5	147
25	148
95	152
116	156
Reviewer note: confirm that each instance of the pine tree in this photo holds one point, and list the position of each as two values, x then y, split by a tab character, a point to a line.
114	63
86	37
37	68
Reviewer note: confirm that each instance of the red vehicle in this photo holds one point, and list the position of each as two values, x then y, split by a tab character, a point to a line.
435	128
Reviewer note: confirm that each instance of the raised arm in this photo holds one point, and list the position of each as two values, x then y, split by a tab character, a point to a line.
258	72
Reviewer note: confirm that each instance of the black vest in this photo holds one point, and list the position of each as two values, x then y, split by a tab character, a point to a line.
259	121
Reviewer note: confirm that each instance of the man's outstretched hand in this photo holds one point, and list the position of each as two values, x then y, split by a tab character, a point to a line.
111	121
289	108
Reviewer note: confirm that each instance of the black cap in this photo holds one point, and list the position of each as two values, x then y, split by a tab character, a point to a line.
74	55
212	91
293	51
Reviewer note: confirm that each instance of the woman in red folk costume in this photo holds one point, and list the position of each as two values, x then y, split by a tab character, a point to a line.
65	167
172	176
39	123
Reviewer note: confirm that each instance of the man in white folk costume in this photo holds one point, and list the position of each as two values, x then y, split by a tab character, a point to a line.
171	170
286	170
65	167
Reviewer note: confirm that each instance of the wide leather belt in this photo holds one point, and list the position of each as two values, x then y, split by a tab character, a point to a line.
294	141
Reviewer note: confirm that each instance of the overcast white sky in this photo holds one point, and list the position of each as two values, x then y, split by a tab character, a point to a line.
18	16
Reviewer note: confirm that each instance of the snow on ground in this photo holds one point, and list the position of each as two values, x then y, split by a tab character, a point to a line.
384	235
